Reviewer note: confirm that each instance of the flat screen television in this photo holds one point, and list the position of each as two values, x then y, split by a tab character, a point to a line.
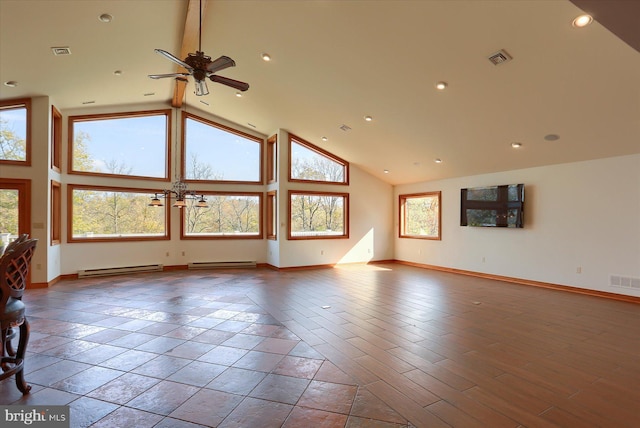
492	206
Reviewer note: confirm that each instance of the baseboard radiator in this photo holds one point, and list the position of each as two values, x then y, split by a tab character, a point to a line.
119	270
219	265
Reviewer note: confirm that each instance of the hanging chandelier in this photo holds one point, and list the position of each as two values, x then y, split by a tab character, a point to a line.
181	194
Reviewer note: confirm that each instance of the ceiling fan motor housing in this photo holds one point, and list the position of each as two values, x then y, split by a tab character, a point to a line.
199	62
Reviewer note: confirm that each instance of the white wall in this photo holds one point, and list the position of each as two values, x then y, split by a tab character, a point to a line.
579	216
370	220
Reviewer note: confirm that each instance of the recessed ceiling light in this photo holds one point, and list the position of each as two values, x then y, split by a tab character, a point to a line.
266	57
118	73
551	137
11	83
368	118
239	94
582	21
324	139
441	86
437	160
105	17
386	171
516	145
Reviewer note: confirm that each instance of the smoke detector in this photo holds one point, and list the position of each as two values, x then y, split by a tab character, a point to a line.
500	57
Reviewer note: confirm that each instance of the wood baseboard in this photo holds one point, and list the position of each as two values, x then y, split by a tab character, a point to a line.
521	281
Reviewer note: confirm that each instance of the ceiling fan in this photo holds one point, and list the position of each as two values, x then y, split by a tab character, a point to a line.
201	67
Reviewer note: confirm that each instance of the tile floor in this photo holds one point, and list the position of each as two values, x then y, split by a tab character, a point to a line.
382	346
181	349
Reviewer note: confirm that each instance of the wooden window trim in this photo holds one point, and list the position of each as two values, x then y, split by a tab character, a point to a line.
259	235
257	140
293	138
107	116
56	212
272	216
13	104
402	215
272	165
56	139
71	239
23	186
345	196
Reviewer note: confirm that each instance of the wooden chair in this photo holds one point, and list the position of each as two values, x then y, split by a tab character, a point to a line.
10	332
14	267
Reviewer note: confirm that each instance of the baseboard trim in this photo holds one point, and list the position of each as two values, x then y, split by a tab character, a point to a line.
513	280
521	281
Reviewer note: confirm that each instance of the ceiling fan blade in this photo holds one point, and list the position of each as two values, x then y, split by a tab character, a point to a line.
220	64
241	86
174	59
161	76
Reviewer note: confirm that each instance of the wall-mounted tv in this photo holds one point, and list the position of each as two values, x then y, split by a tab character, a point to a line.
492	206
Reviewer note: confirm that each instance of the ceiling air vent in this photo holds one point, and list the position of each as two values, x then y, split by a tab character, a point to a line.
65	50
500	57
345	128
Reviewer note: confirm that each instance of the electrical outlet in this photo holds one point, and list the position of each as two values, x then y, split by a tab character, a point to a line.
483	260
579	269
184	253
321	252
167	254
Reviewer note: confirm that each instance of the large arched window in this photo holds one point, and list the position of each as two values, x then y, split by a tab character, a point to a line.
308	163
215	153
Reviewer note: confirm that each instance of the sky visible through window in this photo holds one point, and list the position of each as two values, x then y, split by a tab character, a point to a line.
16	120
138	143
231	157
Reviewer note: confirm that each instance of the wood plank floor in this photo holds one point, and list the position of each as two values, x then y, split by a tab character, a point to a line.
383	345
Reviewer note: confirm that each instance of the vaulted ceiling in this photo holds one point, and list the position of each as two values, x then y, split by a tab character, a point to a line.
335	62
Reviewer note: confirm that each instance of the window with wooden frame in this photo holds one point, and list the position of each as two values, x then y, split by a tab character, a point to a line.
318	215
56	139
212	152
100	213
229	215
272	217
56	212
15	132
15	206
420	216
272	159
309	163
132	145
